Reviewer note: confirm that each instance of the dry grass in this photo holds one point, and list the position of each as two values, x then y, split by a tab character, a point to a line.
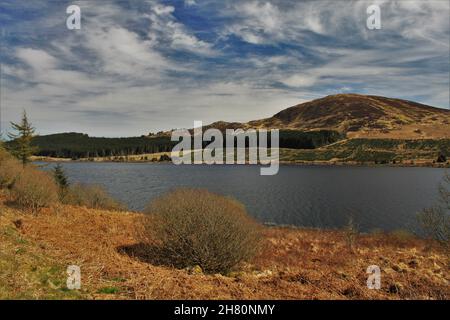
9	171
29	187
294	263
26	270
90	196
10	168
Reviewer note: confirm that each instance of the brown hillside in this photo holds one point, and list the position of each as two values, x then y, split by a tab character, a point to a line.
360	116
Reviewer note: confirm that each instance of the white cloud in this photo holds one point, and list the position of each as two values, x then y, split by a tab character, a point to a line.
190	3
267	22
165	28
122	52
300	80
39	60
162	10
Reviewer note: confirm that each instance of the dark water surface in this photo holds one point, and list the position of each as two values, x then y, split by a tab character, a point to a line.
314	196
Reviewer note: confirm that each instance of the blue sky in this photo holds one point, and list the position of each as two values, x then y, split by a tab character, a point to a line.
141	66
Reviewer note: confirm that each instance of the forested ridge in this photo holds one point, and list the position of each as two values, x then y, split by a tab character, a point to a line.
78	145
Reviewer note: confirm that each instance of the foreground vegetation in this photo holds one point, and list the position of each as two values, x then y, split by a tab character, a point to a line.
32	189
292	263
200	228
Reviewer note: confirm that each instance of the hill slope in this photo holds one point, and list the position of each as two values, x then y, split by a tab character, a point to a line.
360	116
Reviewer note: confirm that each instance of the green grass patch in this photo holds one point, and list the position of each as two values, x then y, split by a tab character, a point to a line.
26	272
108	290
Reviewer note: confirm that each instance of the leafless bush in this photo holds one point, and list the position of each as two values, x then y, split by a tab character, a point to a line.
34	189
197	227
90	196
435	221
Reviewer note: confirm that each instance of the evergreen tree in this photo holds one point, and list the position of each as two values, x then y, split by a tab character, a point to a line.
60	177
21	147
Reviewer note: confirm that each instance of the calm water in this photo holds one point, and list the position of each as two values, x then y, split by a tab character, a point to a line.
313	196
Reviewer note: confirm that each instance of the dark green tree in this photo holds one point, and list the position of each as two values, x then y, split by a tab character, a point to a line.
21	146
60	178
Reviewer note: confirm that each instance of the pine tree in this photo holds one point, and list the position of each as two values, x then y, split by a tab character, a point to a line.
60	177
21	147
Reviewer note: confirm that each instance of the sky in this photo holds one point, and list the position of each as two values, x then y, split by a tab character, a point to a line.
136	67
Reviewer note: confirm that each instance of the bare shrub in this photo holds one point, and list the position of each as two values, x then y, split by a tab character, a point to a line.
435	221
197	227
34	189
90	196
436	225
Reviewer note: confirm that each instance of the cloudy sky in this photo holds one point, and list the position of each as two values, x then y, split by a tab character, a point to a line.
141	66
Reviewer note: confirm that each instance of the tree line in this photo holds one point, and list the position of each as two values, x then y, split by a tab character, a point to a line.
73	145
79	145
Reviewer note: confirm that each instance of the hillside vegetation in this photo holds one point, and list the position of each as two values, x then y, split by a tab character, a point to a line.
376	151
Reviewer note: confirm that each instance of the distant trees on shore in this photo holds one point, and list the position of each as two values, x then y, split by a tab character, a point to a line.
78	145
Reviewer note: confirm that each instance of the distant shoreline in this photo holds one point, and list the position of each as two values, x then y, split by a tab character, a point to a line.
418	163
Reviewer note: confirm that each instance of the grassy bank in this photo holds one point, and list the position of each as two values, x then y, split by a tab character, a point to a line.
35	251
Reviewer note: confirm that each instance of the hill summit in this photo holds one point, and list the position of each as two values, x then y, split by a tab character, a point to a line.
360	116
